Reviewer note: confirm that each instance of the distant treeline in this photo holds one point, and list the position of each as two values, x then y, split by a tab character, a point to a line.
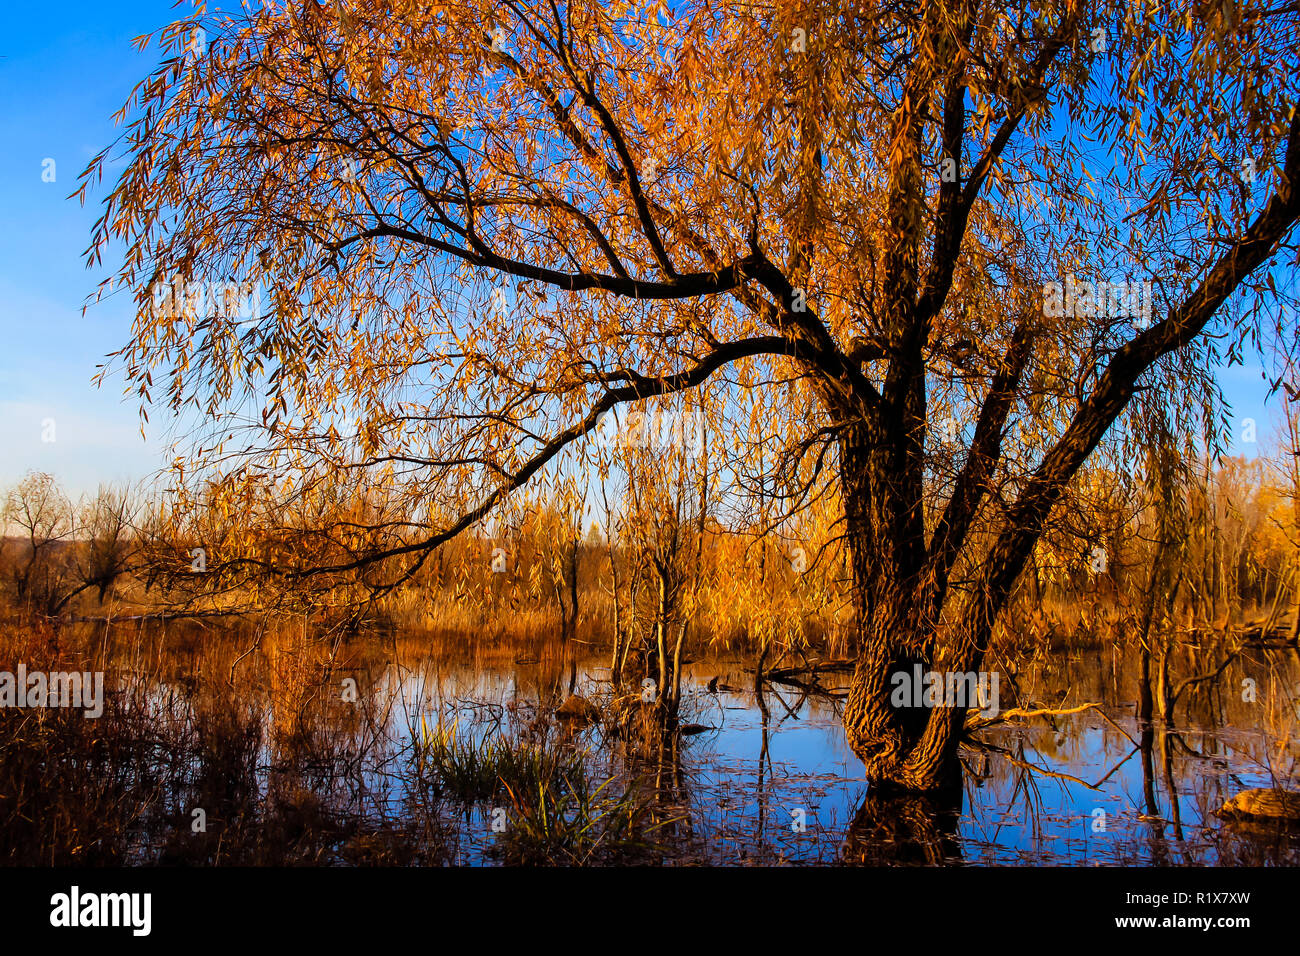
647	568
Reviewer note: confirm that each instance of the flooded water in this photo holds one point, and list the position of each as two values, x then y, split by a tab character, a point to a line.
772	780
216	748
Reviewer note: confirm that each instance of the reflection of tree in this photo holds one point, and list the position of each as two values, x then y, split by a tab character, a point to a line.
652	758
1156	838
1257	843
894	827
1171	787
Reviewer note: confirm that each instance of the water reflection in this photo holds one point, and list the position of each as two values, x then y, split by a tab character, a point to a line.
768	777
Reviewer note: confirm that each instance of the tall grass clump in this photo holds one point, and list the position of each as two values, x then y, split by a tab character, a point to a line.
558	814
465	769
577	825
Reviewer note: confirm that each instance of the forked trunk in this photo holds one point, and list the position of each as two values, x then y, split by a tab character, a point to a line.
903	741
905	733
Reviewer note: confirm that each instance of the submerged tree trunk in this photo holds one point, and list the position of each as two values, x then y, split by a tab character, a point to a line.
900	582
900	741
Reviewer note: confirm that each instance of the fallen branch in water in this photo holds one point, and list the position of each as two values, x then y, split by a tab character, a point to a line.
1016	761
977	723
1048	773
152	616
814	687
813	669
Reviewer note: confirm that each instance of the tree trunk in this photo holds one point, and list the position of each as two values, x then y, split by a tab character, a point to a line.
911	747
1145	703
1295	619
573	582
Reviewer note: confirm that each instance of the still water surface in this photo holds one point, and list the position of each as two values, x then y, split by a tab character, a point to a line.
777	783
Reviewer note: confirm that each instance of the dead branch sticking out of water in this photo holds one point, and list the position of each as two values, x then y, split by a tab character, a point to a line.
813	668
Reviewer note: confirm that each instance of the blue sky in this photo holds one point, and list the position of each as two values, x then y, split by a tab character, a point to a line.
65	69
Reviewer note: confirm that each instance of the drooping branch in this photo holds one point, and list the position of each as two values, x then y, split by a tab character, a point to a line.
955	200
638	389
1119	382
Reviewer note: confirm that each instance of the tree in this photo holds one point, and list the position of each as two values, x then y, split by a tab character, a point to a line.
480	227
1285	467
42	515
660	531
109	548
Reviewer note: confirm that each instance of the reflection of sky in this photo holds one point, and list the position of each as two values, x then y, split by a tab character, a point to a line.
741	809
738	808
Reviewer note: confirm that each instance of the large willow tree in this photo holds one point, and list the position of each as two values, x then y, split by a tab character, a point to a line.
479	227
